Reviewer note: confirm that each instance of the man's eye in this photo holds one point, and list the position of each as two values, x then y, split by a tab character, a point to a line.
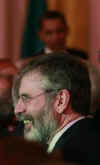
25	98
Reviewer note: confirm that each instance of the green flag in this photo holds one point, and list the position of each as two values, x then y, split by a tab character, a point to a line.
31	43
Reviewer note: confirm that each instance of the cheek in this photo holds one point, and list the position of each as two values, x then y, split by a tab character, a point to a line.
36	106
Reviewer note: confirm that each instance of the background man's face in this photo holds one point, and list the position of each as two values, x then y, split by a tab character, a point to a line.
33	105
53	34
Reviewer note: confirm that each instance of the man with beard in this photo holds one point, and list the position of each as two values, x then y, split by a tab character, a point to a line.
53	93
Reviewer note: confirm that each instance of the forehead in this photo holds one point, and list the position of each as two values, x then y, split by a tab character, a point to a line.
51	23
31	82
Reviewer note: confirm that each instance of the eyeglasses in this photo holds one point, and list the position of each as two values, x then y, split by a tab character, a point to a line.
27	99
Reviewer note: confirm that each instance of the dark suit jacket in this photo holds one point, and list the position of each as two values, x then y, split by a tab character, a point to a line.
72	51
81	142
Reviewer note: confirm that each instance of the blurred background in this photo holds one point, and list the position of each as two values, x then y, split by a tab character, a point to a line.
16	16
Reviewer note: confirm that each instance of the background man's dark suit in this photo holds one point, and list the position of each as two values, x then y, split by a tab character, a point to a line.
72	51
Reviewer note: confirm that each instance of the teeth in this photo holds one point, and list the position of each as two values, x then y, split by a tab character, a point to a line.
27	121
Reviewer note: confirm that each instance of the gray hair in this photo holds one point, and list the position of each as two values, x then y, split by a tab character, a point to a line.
61	71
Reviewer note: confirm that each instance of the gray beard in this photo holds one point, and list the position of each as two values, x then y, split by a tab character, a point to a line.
42	127
32	134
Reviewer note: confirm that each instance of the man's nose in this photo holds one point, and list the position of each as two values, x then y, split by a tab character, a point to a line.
20	107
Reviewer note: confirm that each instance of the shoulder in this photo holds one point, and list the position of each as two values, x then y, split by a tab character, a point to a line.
79	133
81	141
78	53
38	52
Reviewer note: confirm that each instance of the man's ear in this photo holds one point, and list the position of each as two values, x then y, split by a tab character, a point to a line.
61	101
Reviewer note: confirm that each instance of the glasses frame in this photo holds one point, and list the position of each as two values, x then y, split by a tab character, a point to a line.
27	99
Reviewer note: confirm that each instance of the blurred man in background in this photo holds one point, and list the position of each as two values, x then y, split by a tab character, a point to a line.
53	31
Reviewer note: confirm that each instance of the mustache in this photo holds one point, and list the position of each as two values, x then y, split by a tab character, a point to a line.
22	117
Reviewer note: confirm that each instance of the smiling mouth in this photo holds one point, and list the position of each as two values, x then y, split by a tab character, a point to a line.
25	118
27	122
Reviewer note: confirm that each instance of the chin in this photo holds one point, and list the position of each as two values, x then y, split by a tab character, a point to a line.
31	133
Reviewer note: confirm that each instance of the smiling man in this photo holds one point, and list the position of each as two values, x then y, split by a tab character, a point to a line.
54	94
37	99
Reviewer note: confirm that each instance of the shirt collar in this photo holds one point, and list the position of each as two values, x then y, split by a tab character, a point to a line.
47	50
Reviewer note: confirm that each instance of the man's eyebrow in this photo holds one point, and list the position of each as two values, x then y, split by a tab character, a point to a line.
24	95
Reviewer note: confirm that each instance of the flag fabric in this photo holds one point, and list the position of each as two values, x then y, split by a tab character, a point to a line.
31	43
